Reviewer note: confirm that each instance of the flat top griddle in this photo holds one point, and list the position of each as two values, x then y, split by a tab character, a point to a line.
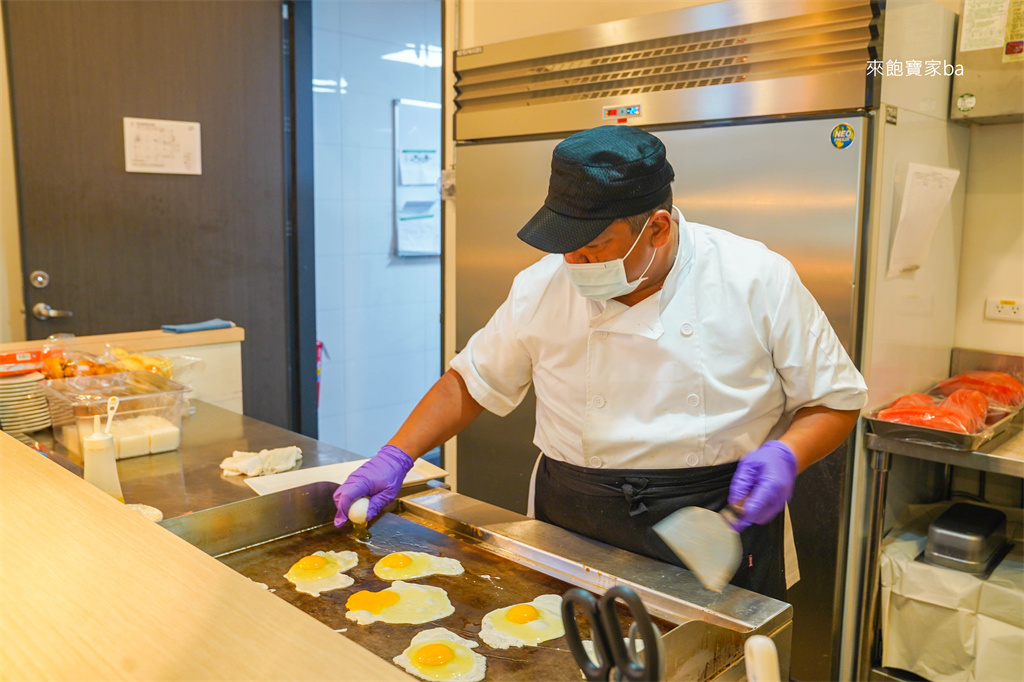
489	582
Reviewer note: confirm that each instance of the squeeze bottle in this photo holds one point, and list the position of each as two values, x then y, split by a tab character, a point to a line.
101	461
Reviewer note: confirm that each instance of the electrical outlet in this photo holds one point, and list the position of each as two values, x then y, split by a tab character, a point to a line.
1003	309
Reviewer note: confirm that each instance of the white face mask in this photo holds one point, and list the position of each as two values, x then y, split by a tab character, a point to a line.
607	280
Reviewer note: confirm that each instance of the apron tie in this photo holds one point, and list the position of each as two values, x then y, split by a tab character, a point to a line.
633	490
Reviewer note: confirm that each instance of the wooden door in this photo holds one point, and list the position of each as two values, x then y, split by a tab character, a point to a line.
132	251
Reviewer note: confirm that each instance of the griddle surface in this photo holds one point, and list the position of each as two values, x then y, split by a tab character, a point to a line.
490	582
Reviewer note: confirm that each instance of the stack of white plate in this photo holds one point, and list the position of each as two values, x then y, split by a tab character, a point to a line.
23	407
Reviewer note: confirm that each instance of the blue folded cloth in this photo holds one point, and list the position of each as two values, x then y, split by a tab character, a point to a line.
215	323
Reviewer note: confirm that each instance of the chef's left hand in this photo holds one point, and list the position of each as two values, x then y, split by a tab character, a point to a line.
763	483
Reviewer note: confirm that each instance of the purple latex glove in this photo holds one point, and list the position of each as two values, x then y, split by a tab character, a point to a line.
763	483
380	478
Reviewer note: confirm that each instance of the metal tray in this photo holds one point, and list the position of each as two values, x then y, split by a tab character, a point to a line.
967	442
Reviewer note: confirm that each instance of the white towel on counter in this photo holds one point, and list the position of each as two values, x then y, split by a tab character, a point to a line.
261	463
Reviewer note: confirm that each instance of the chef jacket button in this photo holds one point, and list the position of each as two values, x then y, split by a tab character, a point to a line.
599	401
600	335
686	329
595	461
692	459
693	400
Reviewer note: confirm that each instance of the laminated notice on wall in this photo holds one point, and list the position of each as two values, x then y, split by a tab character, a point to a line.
419	229
157	146
926	194
419	166
984	23
417	130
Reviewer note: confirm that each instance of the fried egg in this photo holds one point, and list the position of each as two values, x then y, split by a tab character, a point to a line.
441	655
401	603
524	624
410	565
322	571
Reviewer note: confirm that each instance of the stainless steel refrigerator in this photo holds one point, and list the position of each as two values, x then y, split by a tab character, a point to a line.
768	113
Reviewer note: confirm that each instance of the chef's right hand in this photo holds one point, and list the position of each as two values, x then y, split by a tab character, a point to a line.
380	479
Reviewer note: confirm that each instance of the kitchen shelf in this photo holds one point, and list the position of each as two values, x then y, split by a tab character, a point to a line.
1004	454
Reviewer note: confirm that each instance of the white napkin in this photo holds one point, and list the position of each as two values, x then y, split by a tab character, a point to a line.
261	463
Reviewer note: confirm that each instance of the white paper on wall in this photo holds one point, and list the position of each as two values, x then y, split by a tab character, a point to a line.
158	146
419	166
984	22
419	230
926	194
417	197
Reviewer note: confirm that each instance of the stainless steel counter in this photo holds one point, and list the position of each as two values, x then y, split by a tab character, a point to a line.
703	632
706	645
189	479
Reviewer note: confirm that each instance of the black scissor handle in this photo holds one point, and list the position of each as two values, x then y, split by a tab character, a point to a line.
606	633
589	606
629	667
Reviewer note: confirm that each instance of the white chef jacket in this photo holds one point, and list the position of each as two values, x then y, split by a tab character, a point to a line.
699	373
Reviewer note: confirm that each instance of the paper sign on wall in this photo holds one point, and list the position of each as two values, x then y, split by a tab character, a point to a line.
1013	39
419	166
984	22
417	170
157	146
926	194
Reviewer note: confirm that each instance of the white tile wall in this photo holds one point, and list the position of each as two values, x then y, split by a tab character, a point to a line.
377	314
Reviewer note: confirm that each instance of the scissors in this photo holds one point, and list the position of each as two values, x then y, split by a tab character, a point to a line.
613	656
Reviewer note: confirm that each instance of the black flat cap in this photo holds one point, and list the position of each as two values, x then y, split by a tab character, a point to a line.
598	176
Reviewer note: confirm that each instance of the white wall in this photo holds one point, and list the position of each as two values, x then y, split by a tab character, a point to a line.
992	252
12	318
377	314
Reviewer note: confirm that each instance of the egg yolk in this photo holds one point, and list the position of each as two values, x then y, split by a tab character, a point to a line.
522	613
434	654
311	563
374	602
396	560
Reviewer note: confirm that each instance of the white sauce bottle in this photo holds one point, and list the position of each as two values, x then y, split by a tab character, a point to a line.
101	461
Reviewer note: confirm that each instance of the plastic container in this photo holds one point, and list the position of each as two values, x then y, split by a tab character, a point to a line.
148	419
966	537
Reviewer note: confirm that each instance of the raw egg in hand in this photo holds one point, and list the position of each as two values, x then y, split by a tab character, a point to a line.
401	603
524	624
322	571
410	565
441	655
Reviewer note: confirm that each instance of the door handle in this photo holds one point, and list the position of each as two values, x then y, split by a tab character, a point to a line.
43	311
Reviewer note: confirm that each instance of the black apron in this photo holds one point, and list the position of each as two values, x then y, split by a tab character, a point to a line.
619	507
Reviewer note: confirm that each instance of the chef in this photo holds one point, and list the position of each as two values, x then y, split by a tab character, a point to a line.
674	364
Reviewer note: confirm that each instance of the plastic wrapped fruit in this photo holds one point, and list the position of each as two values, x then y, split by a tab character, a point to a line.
930	416
998	387
970	403
913	399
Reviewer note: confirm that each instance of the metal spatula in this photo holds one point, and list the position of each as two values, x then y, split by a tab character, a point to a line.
705	542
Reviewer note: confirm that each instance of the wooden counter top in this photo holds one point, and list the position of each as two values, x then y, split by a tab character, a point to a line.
150	340
93	591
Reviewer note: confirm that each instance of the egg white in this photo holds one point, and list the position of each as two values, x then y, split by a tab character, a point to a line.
499	633
416	604
422	565
464	658
330	577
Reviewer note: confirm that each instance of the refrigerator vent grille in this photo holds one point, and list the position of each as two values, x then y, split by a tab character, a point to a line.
816	49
